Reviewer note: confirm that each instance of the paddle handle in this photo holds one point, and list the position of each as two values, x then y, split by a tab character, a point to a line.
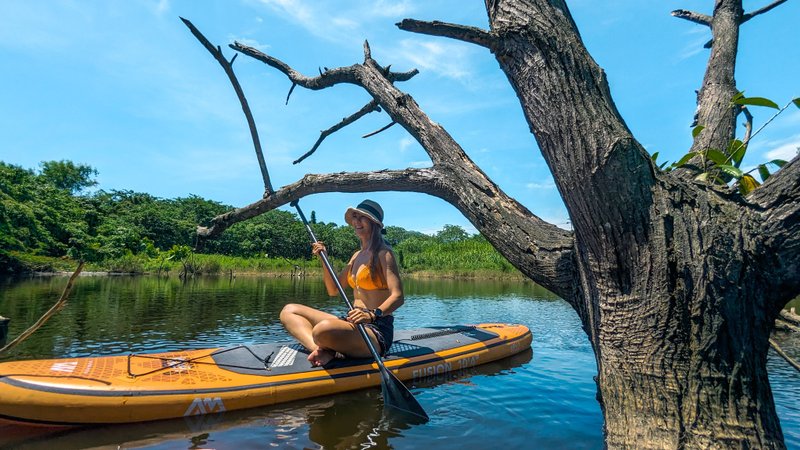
342	293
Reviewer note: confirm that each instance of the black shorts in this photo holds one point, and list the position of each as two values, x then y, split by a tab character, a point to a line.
383	328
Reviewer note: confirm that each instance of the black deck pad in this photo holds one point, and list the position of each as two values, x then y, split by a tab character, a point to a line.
290	357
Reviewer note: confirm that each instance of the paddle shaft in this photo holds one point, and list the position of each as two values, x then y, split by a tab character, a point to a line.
342	293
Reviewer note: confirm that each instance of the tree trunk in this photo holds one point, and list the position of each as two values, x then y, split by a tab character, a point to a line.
671	294
682	355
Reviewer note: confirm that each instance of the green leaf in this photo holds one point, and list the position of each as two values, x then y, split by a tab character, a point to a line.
796	102
757	101
696	130
702	177
778	162
763	171
716	156
709	177
737	150
747	184
738	96
730	170
685	159
654	157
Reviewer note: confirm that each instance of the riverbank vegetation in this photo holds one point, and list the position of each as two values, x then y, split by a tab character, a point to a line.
48	221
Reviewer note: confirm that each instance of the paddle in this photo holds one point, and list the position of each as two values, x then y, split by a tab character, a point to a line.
395	394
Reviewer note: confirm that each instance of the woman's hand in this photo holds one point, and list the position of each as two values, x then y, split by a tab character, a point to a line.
317	248
360	315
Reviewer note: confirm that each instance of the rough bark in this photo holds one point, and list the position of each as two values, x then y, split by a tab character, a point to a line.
719	86
677	284
674	294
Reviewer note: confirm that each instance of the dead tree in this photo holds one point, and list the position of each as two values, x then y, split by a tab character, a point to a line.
677	283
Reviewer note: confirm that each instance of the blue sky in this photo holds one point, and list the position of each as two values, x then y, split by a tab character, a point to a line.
124	87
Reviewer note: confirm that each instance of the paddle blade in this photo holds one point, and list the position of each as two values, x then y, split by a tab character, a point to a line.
397	398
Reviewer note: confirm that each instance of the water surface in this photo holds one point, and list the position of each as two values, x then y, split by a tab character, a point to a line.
544	398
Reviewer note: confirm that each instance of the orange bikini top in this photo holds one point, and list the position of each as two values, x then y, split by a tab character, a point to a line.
363	280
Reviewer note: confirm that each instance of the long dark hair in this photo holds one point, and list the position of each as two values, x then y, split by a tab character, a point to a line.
376	244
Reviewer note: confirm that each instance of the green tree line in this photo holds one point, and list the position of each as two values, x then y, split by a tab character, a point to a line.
47	215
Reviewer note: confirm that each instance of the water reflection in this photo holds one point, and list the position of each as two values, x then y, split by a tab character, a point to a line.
541	400
344	421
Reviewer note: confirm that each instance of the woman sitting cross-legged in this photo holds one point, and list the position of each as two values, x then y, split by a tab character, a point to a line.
373	274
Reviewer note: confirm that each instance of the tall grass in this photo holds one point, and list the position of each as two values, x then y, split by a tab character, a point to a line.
222	264
472	257
469	256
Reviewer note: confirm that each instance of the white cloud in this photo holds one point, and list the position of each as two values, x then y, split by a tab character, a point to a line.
405	143
789	120
335	22
549	184
786	149
161	8
697	39
345	23
384	8
250	43
447	59
315	19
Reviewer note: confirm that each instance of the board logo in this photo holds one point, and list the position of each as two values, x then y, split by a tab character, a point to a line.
65	367
431	370
205	406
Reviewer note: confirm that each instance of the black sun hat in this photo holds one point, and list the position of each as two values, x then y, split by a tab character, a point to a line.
368	208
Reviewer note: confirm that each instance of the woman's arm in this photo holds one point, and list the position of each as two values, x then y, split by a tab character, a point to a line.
392	274
317	248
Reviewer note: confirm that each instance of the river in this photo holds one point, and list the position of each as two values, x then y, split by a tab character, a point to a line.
543	398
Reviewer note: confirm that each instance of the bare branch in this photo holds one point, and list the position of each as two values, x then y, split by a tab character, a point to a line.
748	126
367	51
291	89
324	80
378	131
776	200
538	249
401	76
781	188
216	52
368	108
791	102
783	354
409	180
47	315
522	233
759	11
692	16
473	35
790	317
714	110
786	326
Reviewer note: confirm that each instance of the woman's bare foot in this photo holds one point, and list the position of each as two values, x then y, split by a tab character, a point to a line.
321	356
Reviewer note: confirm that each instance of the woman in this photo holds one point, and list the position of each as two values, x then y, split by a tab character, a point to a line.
373	274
